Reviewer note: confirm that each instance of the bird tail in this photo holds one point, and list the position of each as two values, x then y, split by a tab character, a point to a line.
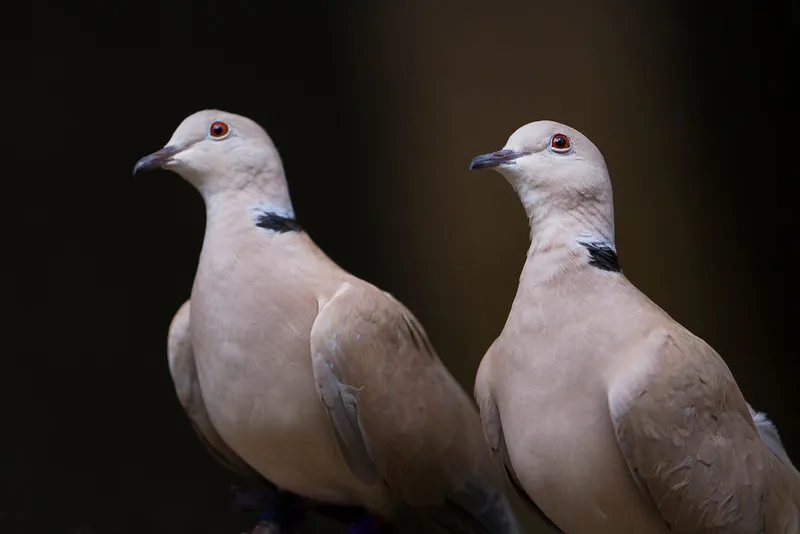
470	511
768	433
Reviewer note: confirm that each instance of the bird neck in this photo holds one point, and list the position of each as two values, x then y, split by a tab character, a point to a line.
243	185
564	224
238	194
561	216
238	211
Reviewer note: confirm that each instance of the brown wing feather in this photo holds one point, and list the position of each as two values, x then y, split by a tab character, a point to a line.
397	410
688	437
420	429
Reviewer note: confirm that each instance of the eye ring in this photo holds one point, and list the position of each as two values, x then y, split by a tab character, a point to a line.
218	130
560	143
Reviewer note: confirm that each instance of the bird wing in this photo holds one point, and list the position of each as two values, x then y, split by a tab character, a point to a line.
690	442
399	416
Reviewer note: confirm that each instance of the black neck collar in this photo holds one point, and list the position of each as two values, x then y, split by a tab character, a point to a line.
602	256
277	223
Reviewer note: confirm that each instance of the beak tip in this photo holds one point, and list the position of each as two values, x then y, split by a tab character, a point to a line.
481	162
157	160
145	164
495	159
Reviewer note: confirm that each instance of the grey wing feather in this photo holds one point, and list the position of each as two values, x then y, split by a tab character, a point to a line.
341	404
468	511
769	435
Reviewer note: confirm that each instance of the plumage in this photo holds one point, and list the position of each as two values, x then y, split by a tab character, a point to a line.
316	380
616	419
184	376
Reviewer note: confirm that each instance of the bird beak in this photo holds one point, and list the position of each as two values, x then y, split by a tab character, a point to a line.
487	161
158	159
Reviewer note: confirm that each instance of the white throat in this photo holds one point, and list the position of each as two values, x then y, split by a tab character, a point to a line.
563	218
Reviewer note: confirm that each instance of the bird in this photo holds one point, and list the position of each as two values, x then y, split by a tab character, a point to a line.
291	367
608	415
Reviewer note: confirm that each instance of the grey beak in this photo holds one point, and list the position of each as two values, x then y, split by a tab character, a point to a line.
157	159
487	161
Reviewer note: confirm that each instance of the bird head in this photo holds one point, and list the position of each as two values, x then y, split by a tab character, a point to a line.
547	157
216	150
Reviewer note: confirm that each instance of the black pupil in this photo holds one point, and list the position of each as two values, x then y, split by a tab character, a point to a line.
218	129
560	142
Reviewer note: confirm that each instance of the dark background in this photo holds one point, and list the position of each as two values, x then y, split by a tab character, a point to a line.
377	109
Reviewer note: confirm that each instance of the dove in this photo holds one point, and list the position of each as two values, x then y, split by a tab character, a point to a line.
294	369
608	414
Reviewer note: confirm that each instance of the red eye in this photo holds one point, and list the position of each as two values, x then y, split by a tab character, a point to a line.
560	143
218	129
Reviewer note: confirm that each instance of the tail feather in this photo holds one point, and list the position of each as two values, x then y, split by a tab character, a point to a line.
475	511
769	435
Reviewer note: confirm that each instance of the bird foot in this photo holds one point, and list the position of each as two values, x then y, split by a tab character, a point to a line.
247	499
369	524
287	512
267	527
282	512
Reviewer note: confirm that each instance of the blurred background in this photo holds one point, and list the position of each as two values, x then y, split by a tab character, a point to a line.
377	109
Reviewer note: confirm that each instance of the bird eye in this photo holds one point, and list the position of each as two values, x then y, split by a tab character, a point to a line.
218	130
560	143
